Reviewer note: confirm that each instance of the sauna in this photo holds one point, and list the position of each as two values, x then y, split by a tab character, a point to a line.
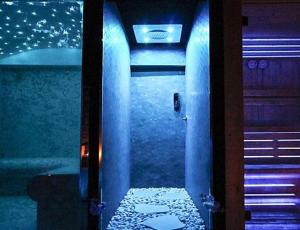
271	108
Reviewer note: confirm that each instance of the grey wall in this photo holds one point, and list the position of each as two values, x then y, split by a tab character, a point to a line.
157	132
198	141
116	90
39	112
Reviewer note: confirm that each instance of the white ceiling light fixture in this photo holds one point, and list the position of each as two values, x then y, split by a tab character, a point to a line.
158	33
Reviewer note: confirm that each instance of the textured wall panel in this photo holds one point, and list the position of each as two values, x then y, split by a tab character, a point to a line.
158	56
198	139
157	132
39	112
116	95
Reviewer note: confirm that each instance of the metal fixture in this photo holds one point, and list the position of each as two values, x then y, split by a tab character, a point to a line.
96	207
210	203
185	118
177	104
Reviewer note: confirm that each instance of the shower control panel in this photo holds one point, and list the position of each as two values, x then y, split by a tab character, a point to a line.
177	102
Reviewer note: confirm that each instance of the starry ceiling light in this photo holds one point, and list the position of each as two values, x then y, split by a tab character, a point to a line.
158	33
27	25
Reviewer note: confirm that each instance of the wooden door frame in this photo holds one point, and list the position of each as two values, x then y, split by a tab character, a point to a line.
92	90
227	113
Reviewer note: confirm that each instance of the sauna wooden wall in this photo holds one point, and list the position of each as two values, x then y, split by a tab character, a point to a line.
272	94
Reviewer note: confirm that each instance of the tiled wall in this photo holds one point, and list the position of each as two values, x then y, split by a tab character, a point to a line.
198	143
116	98
157	132
39	111
158	56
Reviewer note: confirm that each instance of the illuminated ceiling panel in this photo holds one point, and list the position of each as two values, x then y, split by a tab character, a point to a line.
160	33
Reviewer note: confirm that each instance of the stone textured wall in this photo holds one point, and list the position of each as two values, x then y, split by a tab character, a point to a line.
157	132
158	56
116	98
198	140
39	111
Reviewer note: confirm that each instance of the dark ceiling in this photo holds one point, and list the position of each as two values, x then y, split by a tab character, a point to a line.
157	12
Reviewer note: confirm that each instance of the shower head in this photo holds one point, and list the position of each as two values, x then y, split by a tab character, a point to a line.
160	33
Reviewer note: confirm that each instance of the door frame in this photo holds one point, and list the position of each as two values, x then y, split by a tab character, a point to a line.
92	55
227	113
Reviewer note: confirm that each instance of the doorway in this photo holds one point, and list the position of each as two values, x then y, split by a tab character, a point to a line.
143	155
151	149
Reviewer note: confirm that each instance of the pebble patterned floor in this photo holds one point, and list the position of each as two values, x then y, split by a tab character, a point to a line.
157	208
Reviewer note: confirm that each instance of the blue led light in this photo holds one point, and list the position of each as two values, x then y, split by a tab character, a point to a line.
145	30
146	40
170	29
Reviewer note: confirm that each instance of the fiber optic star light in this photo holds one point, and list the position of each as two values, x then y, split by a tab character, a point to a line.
160	33
25	26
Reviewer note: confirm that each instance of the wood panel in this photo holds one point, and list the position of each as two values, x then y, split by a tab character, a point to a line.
270	1
272	147
271	95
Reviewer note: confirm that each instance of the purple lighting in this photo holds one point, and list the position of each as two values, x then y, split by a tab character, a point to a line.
260	148
270	39
269	185
289	156
286	140
271	46
262	156
275	176
277	56
271	132
271	51
288	148
258	140
270	204
269	194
